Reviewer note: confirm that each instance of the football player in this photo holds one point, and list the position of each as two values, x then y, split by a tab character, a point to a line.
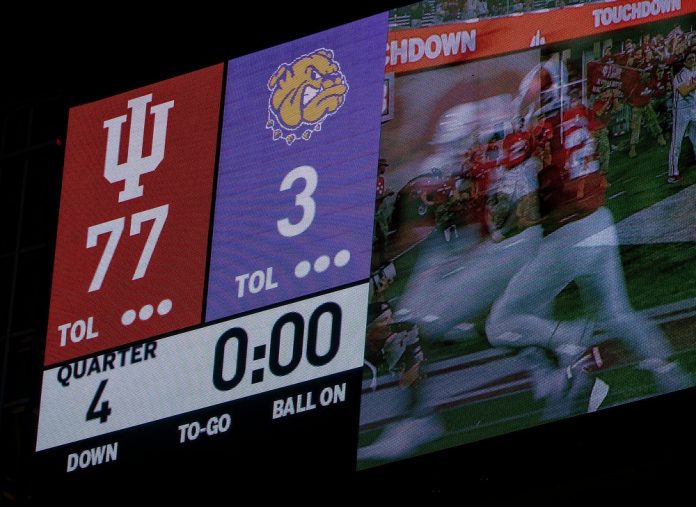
580	246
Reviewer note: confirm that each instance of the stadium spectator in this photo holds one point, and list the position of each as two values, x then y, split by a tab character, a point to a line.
640	98
602	109
384	207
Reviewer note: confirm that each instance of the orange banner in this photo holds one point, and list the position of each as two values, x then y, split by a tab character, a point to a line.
420	48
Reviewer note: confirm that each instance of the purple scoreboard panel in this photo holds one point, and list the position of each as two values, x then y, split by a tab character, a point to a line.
296	179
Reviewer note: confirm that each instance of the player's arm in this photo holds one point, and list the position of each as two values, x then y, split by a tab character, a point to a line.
683	83
602	109
686	88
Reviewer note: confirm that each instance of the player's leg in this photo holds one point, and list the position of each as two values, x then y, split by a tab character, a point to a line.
549	382
634	329
522	317
475	281
565	255
636	119
679	128
691	132
622	119
474	278
654	124
418	423
604	292
403	437
471	281
603	148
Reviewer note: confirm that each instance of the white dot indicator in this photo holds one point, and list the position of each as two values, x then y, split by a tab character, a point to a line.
302	269
146	312
342	258
322	263
128	317
164	307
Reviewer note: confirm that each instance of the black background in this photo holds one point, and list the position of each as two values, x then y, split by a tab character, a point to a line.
50	56
301	451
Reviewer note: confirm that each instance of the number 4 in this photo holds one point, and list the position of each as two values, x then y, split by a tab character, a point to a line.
114	228
104	410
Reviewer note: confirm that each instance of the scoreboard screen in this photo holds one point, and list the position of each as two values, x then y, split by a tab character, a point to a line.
331	257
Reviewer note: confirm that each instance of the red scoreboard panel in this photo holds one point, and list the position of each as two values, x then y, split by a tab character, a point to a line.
134	216
325	257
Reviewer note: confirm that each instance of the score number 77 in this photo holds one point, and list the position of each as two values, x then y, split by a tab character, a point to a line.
114	228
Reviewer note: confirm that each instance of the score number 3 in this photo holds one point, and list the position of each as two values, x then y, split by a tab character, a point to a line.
303	199
114	228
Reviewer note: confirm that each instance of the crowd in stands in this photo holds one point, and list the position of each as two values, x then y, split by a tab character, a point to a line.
435	12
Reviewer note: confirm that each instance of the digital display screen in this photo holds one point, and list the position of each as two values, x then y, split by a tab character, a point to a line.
374	243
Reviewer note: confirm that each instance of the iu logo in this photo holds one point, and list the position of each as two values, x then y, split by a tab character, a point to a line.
136	164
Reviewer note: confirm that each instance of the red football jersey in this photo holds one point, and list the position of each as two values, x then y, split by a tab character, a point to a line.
517	147
543	133
642	93
572	186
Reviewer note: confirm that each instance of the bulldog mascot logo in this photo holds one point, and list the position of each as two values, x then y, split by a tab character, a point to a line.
303	94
